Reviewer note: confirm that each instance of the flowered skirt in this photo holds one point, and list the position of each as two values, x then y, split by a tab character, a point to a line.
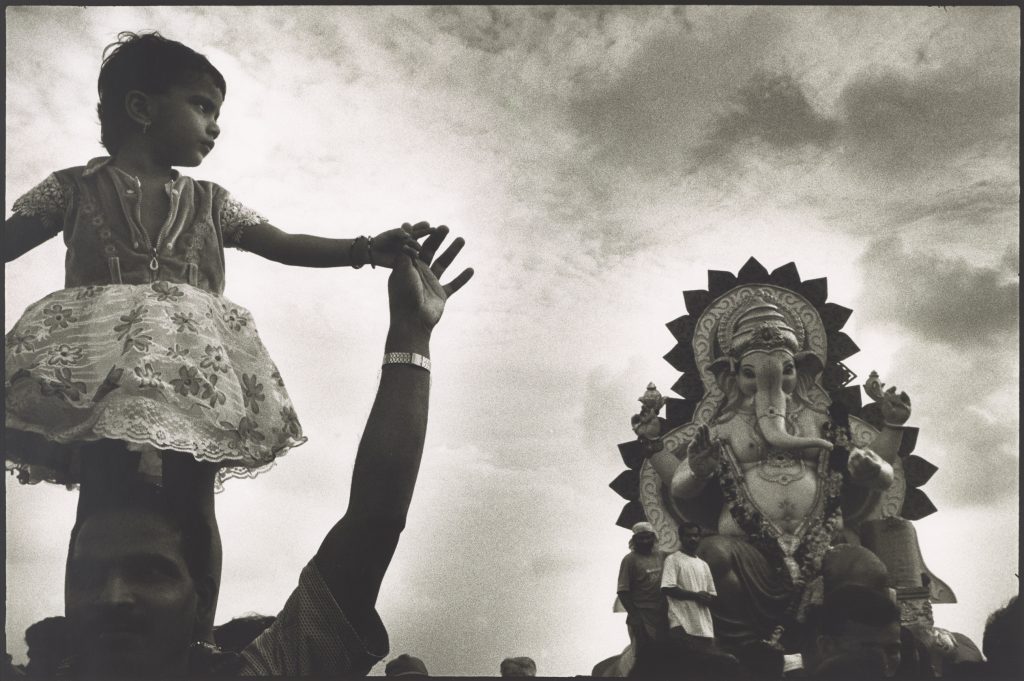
158	366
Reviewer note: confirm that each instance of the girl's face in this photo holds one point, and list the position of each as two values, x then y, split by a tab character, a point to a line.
184	122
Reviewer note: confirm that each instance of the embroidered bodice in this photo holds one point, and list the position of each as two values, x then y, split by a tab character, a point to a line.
97	207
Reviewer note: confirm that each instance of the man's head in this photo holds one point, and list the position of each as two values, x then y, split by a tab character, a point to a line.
137	586
859	628
689	537
47	643
518	666
406	665
1002	637
644	537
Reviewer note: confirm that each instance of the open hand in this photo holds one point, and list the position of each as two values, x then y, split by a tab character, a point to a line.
864	464
416	295
389	246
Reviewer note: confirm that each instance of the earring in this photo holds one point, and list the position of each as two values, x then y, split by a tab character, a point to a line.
145	127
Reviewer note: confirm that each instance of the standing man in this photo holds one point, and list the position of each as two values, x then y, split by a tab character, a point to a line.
640	593
690	591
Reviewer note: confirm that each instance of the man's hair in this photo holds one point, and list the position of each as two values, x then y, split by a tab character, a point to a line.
518	666
856	603
51	630
1001	640
147	62
685	525
183	517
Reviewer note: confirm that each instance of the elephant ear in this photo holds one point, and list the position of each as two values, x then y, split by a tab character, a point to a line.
724	369
807	362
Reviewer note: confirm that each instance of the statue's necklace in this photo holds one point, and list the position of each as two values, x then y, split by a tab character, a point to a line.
780	467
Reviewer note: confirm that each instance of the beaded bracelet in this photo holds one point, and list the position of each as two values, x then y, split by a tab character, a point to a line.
351	251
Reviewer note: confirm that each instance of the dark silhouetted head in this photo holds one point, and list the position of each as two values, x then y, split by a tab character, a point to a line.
148	63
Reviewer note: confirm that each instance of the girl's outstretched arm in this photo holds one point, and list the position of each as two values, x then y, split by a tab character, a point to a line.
22	233
304	250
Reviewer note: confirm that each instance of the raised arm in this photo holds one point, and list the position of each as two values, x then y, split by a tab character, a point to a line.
22	233
304	250
357	551
37	215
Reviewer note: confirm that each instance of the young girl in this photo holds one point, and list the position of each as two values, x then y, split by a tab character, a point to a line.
140	366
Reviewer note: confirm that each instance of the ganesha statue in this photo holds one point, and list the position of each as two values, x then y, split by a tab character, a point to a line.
774	467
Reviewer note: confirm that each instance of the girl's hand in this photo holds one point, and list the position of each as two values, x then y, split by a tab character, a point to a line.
390	245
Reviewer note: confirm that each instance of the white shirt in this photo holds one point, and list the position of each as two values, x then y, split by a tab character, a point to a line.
689	573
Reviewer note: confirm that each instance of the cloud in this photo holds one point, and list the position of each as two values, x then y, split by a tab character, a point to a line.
651	114
946	212
958	360
966	406
494	552
771	109
939	298
899	123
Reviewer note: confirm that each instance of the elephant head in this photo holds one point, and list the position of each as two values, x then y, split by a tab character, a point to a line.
764	366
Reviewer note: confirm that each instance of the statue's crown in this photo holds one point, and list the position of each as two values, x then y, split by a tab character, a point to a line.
761	325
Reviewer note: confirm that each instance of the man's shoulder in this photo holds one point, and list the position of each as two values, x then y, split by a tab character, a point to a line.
673	561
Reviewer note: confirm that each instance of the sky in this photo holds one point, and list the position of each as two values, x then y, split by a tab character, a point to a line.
598	161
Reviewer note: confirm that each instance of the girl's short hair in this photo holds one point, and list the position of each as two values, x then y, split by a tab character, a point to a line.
147	62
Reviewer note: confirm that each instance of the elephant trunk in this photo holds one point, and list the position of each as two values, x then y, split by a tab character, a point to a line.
770	408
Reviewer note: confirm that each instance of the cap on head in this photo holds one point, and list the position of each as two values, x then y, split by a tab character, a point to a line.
643	527
406	665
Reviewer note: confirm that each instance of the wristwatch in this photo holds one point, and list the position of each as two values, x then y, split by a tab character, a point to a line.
413	358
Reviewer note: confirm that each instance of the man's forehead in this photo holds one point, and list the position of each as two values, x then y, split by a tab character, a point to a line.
117	532
885	633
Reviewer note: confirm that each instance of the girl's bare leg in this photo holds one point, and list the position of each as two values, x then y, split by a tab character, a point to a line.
107	466
192	482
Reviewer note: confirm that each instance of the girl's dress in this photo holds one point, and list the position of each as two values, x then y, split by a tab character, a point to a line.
140	346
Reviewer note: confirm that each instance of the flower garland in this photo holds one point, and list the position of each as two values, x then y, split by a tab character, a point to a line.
816	536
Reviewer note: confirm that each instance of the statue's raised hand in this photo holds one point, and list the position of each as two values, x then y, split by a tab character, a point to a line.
867	468
895	407
703	454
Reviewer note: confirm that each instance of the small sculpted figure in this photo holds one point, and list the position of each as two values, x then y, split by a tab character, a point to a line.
646	424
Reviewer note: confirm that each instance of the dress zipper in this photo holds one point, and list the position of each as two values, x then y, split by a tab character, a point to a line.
154	264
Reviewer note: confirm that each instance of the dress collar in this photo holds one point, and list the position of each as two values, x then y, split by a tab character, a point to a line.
94	165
